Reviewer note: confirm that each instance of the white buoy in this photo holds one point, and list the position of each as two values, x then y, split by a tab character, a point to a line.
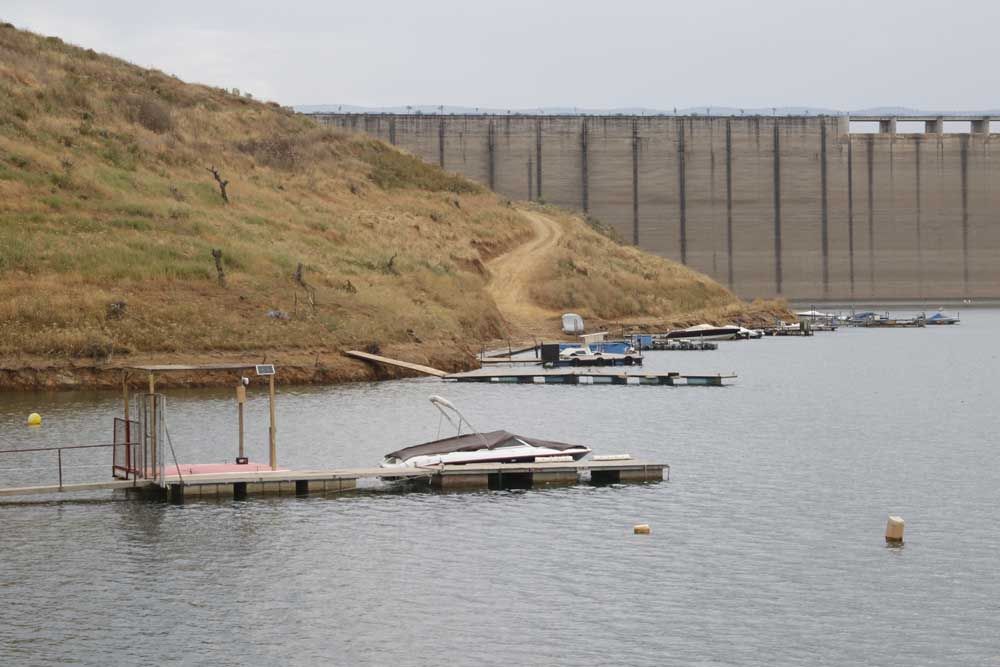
894	530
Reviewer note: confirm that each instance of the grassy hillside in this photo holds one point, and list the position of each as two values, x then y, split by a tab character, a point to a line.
110	213
593	274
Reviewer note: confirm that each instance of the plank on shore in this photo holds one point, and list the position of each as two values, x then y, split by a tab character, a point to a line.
419	368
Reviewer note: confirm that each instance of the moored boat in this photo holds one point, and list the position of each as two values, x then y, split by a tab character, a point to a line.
705	332
940	318
476	447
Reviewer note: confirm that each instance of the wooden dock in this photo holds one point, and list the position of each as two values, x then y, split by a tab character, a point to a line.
590	375
565	375
321	482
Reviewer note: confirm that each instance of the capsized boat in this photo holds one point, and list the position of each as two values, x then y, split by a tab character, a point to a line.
477	447
706	332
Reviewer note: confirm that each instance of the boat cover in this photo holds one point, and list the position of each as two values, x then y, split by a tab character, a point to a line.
471	442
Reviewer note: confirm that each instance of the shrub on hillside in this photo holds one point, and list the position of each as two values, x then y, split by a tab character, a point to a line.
278	152
150	113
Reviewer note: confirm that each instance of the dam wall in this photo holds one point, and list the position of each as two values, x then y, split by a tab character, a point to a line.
798	207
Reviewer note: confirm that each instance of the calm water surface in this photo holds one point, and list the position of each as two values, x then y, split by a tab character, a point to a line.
766	547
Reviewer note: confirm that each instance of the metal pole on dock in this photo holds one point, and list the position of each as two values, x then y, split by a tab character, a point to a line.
152	421
128	429
241	397
271	431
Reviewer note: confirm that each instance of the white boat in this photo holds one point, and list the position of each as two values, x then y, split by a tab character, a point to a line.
750	333
814	315
705	332
477	447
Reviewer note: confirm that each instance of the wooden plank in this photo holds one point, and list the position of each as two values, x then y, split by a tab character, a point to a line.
426	370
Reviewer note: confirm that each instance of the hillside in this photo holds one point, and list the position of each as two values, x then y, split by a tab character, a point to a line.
110	214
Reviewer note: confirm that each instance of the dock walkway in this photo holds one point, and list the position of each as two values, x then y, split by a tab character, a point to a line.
561	375
588	376
335	480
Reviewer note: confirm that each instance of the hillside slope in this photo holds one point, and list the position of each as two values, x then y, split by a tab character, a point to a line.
110	214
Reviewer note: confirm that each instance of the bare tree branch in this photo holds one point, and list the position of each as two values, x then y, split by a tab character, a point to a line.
222	183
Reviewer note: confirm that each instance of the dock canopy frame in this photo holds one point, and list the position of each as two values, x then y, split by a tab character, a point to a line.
261	369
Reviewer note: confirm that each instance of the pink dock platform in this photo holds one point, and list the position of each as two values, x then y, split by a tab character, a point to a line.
217	468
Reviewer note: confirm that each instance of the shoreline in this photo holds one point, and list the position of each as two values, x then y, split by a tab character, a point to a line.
294	368
22	373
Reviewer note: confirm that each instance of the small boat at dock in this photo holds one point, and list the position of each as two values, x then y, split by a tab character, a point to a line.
704	332
477	447
895	322
939	318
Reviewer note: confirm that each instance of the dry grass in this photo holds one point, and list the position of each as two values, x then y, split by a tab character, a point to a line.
598	277
105	196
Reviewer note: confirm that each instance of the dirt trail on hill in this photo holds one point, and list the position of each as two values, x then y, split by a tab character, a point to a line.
511	276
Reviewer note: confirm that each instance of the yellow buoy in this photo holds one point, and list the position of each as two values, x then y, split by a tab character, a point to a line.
34	419
641	529
894	530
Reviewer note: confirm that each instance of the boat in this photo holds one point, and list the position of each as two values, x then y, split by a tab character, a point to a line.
748	334
814	315
893	322
478	447
940	318
705	332
860	319
594	350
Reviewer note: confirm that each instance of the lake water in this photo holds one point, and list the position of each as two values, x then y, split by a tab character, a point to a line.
766	545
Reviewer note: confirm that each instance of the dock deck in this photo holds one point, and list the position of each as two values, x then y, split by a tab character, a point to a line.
561	375
335	480
615	375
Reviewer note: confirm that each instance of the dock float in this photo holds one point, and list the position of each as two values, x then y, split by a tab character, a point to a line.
565	375
588	376
323	482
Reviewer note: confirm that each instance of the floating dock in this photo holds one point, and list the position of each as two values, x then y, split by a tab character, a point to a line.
143	460
239	485
588	376
566	375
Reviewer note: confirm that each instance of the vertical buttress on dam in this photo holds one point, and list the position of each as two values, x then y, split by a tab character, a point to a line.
805	209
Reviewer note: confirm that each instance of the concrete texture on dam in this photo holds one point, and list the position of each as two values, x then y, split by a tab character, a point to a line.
771	206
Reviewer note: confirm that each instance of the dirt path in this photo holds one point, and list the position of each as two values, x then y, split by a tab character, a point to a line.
511	276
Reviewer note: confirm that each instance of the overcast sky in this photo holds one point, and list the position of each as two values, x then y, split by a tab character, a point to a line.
523	54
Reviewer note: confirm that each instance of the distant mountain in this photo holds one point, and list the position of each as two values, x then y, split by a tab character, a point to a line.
426	109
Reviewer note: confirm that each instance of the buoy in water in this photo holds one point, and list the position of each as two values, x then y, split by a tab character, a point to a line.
34	419
641	529
894	530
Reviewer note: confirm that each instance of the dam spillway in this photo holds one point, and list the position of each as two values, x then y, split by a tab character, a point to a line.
791	206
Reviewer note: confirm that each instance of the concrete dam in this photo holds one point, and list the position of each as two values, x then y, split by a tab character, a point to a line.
799	207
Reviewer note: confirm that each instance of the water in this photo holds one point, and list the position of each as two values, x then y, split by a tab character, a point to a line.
766	547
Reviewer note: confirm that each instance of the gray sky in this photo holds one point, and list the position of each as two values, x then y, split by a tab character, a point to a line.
521	54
